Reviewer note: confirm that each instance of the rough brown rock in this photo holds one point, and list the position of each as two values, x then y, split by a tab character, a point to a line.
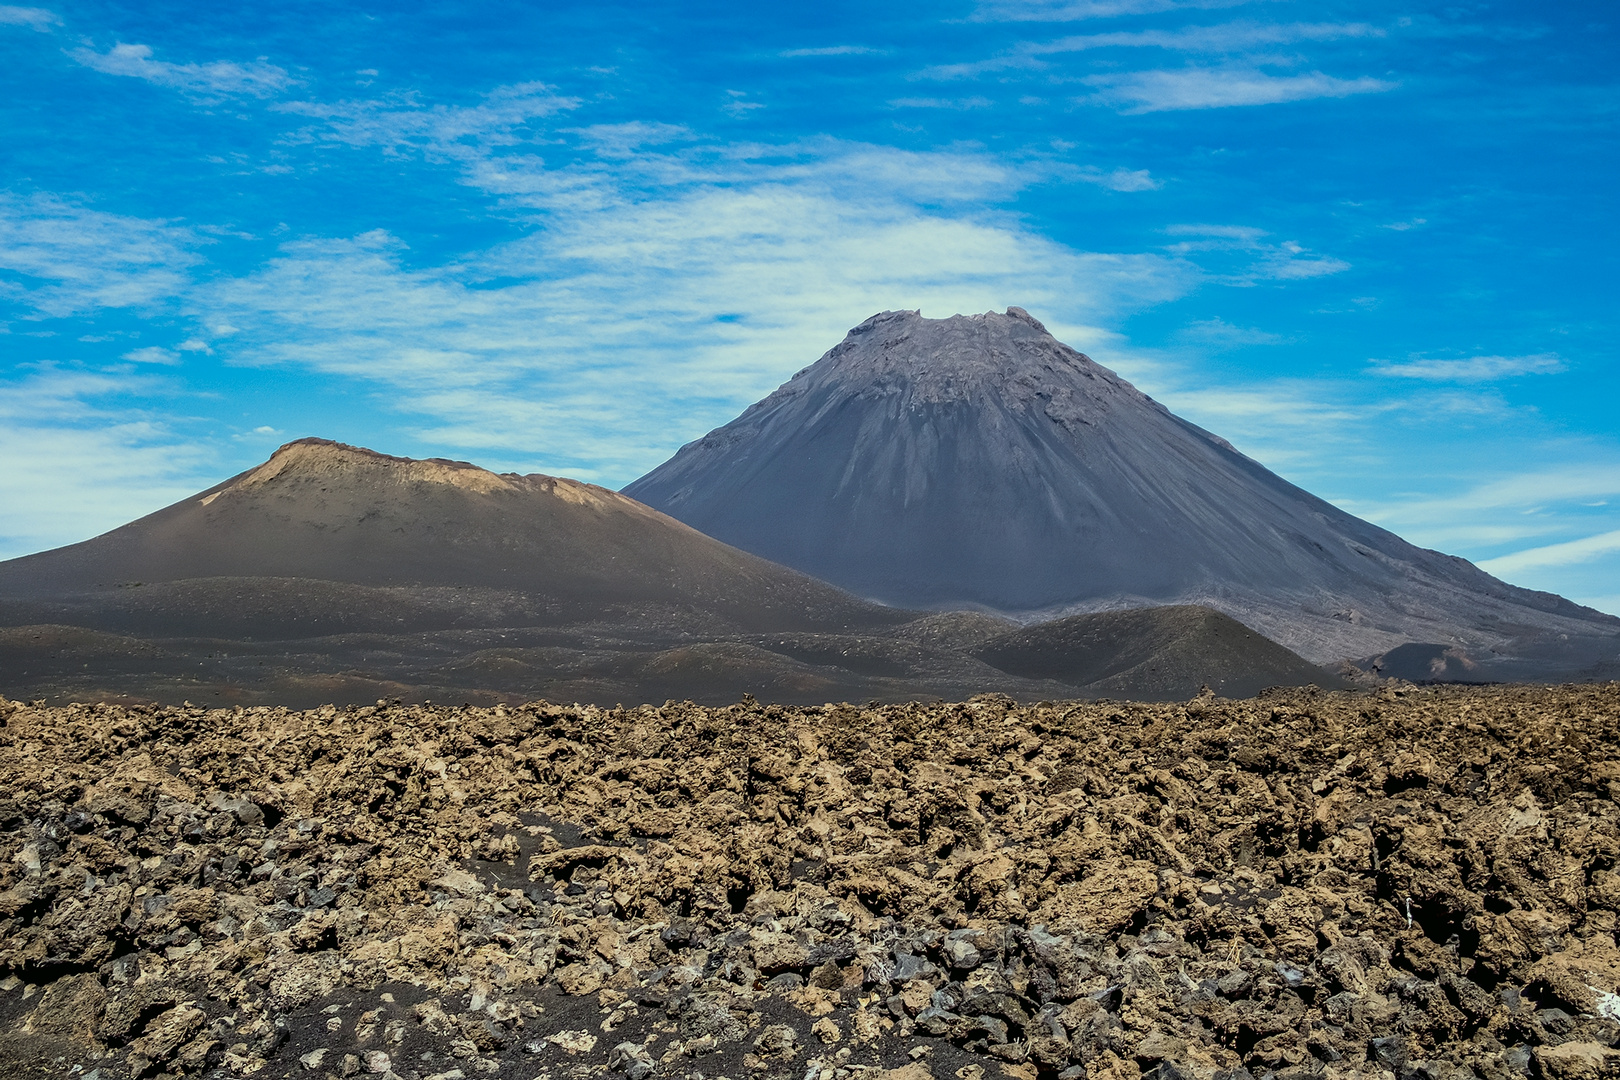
1416	883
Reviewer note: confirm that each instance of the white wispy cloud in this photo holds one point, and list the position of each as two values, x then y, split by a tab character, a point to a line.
1079	10
834	50
1567	553
737	104
1290	261
219	78
1225	38
1218	88
1218	333
1473	368
401	121
1267	260
1120	179
37	19
82	458
72	258
1221	38
1536	503
153	354
974	102
1213	236
699	276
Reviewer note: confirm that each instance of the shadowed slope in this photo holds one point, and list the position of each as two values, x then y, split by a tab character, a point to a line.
979	462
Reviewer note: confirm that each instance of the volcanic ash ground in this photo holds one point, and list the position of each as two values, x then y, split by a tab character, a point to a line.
1411	884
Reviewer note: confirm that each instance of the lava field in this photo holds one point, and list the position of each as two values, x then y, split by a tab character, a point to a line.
1408	882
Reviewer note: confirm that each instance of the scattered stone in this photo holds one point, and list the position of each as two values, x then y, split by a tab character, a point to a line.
1578	1061
631	1059
575	1042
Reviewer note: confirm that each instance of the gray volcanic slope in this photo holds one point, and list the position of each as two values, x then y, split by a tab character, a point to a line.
978	462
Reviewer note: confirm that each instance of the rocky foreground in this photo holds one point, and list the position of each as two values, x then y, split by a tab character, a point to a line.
1416	884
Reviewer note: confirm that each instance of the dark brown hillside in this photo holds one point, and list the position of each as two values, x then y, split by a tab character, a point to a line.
327	538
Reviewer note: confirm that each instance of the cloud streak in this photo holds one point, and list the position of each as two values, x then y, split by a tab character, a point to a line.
218	79
833	50
1474	369
1220	334
1079	10
402	122
71	259
1219	88
1285	260
1225	38
37	19
1568	553
974	102
1120	179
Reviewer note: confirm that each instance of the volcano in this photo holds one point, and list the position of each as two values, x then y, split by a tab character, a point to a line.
326	537
978	462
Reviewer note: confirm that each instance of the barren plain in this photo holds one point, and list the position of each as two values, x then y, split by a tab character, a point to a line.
1408	882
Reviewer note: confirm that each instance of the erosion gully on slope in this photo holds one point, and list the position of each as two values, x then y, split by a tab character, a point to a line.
1410	883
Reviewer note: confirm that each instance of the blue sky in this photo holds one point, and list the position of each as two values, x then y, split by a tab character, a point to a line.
1373	244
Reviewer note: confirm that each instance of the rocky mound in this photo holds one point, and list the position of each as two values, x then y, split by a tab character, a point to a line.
1417	884
325	538
1146	652
976	461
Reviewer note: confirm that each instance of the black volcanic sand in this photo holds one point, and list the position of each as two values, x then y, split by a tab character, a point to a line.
637	655
1417	883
